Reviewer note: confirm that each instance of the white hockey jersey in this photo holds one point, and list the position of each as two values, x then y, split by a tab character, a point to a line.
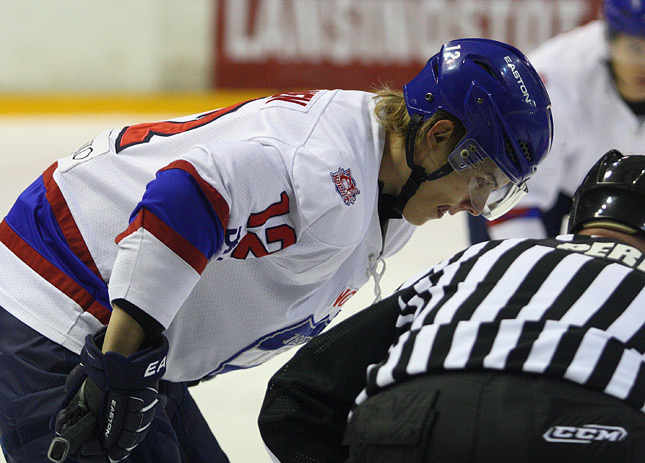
241	230
589	117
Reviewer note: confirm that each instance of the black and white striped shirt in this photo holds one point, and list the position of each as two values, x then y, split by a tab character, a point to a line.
570	307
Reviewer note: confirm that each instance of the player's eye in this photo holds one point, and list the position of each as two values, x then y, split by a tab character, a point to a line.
491	181
487	182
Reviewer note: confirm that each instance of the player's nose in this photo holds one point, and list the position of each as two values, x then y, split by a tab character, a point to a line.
464	206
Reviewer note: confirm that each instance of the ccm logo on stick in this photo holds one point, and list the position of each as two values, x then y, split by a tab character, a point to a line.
155	367
585	434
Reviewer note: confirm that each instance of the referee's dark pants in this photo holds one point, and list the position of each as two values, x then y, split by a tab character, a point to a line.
493	417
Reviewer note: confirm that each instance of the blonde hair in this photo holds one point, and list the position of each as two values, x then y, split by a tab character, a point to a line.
392	113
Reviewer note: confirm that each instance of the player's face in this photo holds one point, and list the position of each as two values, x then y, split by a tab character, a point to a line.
434	199
453	193
628	58
466	191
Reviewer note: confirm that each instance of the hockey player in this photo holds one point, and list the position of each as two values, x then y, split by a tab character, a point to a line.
595	75
511	351
248	228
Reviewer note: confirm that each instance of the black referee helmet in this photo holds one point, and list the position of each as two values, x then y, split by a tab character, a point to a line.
612	195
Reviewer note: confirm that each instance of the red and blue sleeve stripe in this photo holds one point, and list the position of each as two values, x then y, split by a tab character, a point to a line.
184	212
41	231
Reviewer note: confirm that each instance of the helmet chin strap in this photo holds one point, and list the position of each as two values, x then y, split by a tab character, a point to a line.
417	176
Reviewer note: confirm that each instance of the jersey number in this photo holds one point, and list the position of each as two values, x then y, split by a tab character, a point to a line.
142	133
283	234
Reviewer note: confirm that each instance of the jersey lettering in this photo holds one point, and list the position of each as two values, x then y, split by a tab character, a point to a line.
143	133
343	297
299	98
628	255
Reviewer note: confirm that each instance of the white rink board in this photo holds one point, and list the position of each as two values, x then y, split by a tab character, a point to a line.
231	402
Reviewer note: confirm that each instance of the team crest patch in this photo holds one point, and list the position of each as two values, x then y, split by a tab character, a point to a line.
345	185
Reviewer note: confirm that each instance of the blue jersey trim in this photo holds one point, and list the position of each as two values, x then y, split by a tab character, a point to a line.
33	219
176	199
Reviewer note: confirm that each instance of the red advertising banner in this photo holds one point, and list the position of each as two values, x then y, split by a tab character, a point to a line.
355	44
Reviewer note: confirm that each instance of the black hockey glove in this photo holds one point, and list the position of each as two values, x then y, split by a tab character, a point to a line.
109	404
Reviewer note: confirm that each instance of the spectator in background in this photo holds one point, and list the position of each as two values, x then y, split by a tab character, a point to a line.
595	75
248	228
511	351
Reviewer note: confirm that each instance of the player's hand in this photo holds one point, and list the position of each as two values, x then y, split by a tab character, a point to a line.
110	402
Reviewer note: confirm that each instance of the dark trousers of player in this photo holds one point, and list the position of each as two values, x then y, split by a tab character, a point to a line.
33	370
492	417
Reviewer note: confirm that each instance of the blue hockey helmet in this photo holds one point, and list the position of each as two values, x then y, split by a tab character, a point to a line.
496	93
626	16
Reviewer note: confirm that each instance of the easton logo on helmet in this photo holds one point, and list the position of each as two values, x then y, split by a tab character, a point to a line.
520	81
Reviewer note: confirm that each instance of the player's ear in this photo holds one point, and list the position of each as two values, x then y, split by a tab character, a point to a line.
438	141
440	133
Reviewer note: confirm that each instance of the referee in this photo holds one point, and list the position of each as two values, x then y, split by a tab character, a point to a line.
511	351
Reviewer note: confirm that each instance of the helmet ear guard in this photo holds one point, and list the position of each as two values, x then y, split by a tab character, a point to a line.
612	195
